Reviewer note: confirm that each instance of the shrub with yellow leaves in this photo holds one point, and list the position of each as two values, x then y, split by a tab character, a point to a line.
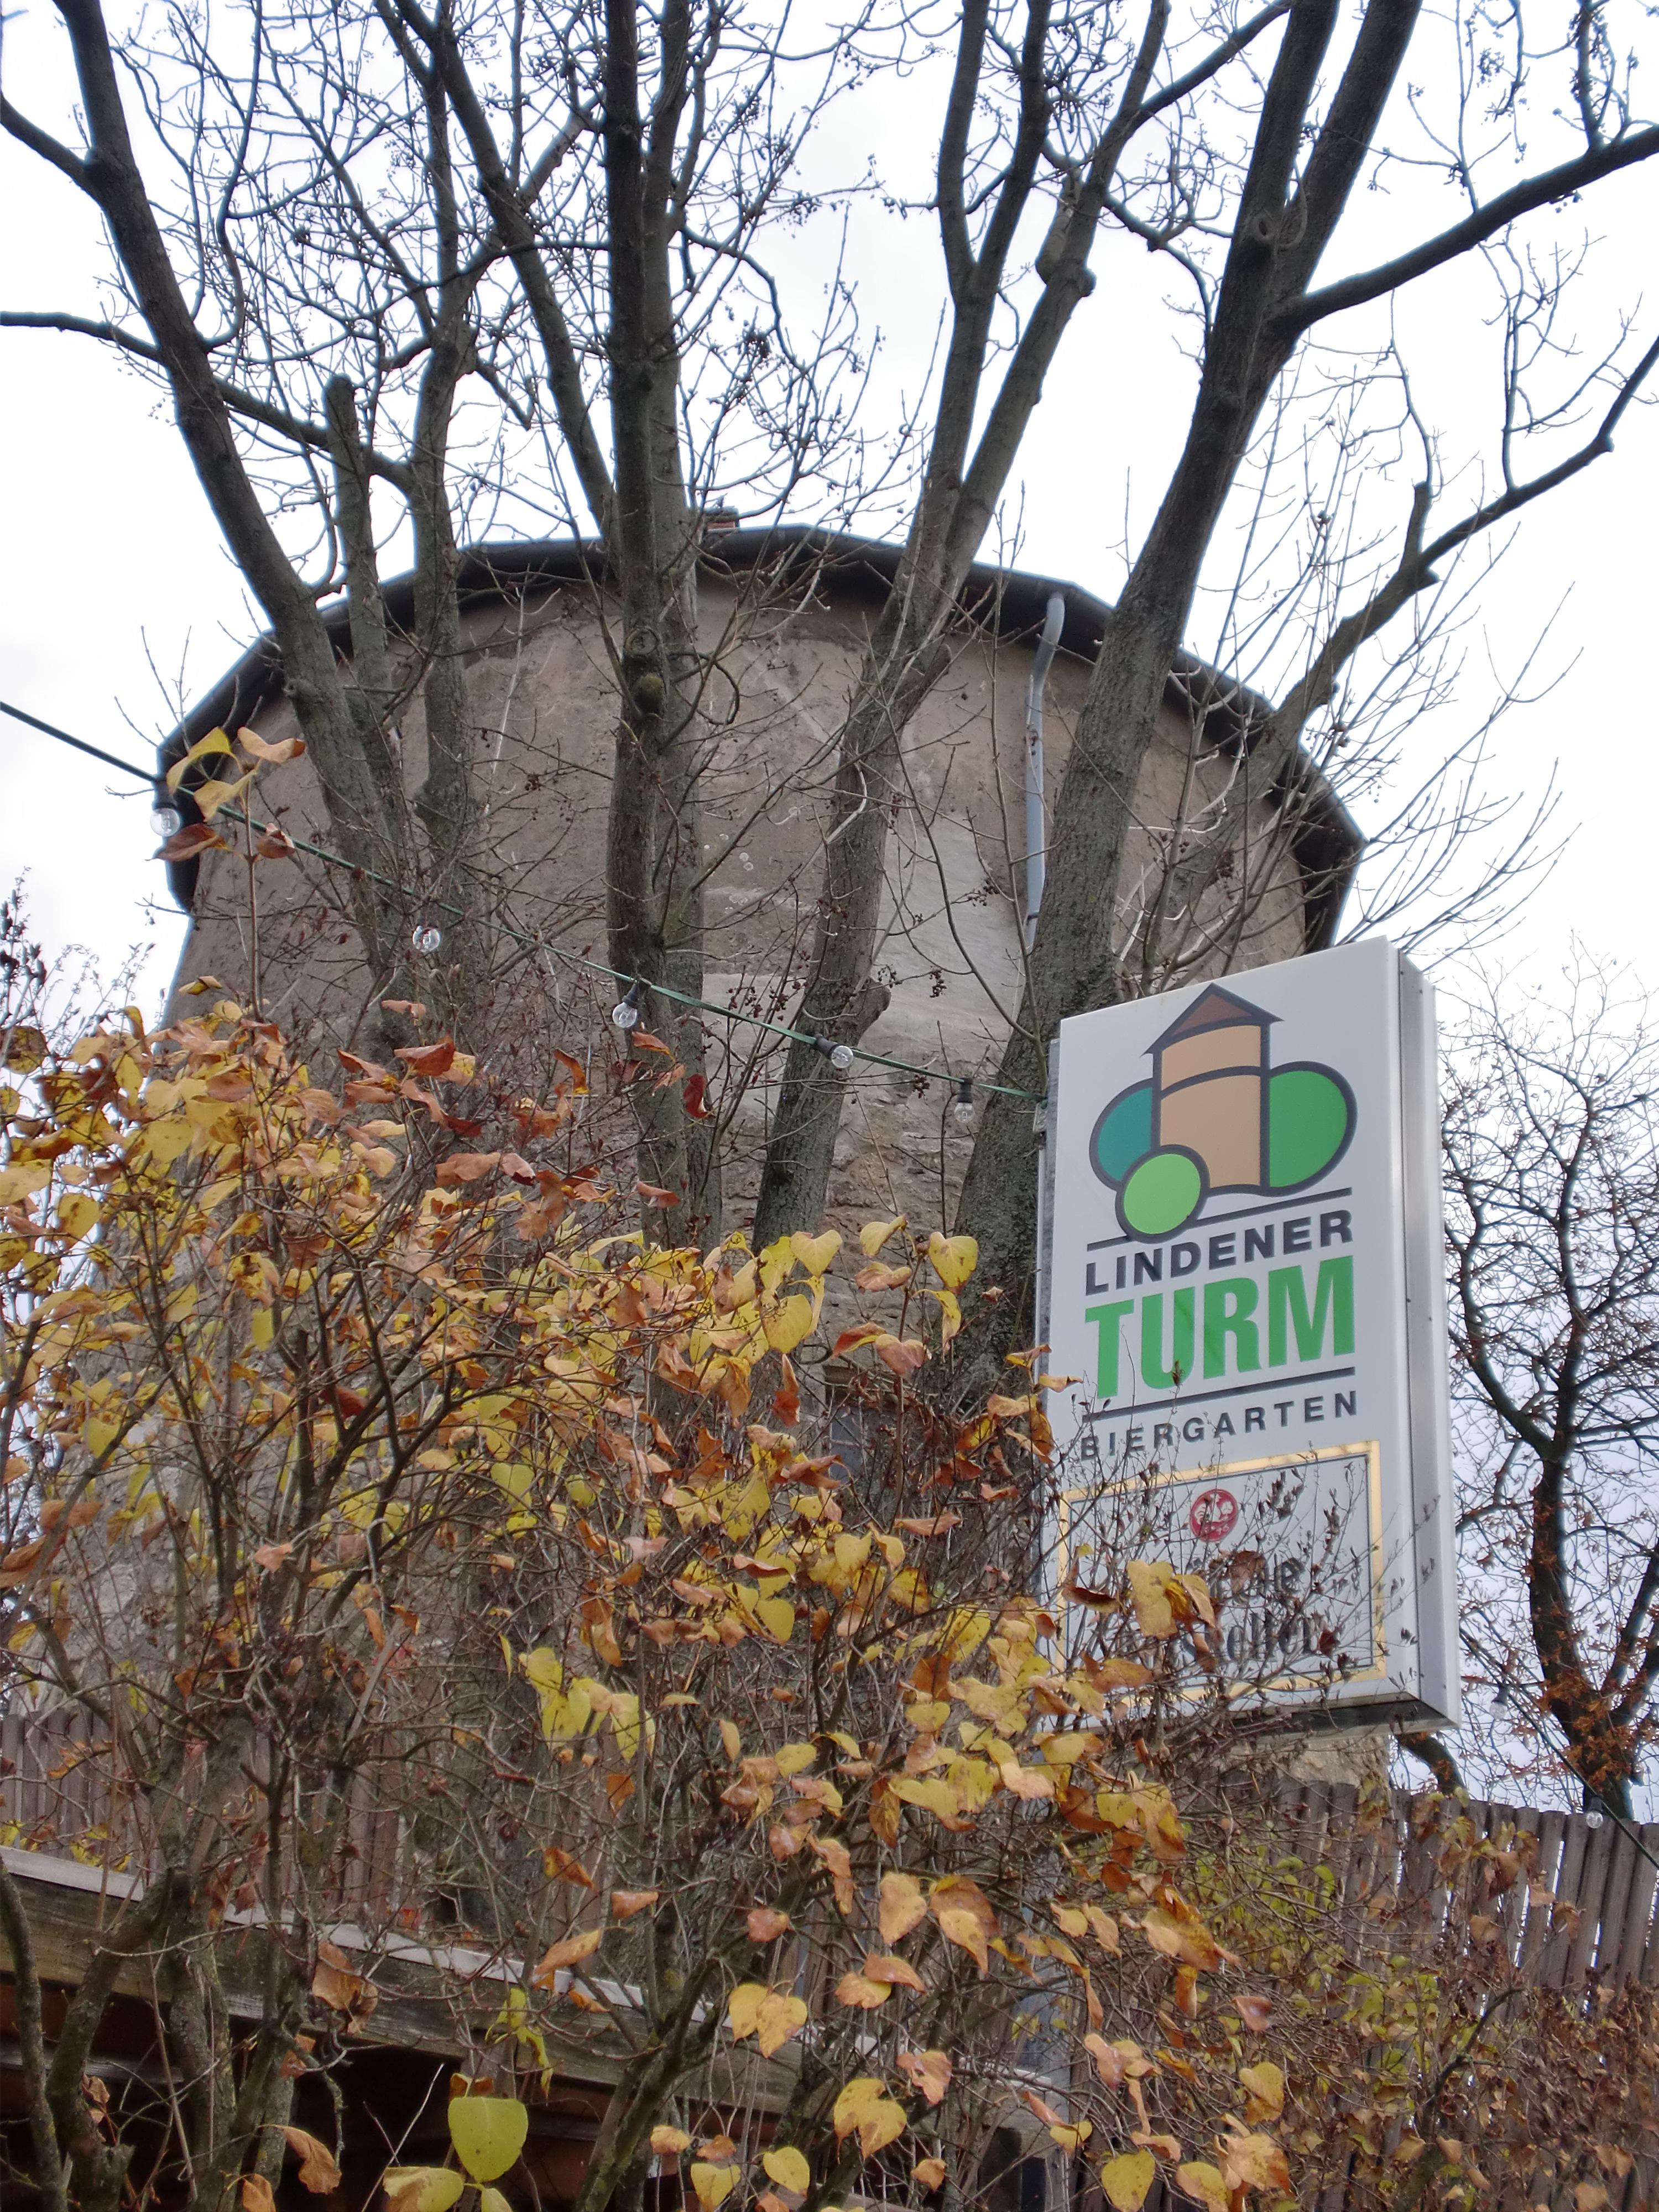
352	1473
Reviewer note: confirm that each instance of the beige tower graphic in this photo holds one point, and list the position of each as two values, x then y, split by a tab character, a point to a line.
1210	1072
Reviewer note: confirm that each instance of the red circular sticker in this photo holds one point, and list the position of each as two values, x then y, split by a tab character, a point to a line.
1212	1515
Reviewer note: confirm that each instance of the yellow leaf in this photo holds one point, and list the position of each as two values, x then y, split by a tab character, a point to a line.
1265	2084
930	2172
815	1253
23	1179
776	1615
776	1262
1165	1601
742	2008
257	748
789	2169
964	1916
713	2183
1199	2179
1071	2138
732	1739
857	2100
875	1234
214	742
1182	1936
77	1213
931	1792
214	794
487	2133
318	2172
1127	2178
952	1259
795	1758
788	1323
1149	1592
422	2188
491	2200
571	1953
901	1906
781	2017
669	2143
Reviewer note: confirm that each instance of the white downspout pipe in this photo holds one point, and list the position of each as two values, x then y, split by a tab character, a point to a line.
1036	825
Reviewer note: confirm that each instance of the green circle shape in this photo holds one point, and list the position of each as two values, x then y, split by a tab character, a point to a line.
1165	1189
1307	1126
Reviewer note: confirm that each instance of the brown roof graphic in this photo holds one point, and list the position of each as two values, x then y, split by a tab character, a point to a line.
1212	1009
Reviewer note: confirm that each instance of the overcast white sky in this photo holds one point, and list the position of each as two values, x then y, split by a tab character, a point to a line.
117	599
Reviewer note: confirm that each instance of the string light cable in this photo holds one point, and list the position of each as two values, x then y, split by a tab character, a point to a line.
840	1055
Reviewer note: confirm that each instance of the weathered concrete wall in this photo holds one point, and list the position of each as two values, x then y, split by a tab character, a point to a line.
541	690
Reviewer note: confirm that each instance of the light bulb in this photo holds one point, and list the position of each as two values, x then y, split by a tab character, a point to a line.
167	821
961	1106
1592	1816
427	938
840	1056
625	1014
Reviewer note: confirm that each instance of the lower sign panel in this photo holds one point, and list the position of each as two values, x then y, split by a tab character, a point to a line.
1291	1549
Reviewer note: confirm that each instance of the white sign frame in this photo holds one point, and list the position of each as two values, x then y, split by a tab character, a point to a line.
1310	1310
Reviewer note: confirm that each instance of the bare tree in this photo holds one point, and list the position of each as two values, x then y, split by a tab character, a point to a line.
1553	1179
424	265
1311	136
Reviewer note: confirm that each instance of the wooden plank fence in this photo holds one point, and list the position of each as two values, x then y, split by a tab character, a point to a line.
1584	1909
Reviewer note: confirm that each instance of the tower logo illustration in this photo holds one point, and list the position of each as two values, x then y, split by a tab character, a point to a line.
1217	1115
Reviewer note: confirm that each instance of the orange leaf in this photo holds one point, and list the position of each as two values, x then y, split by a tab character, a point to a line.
429	1059
901	1906
766	1924
625	1903
902	1356
928	2071
466	1167
571	1953
858	1990
185	844
317	2171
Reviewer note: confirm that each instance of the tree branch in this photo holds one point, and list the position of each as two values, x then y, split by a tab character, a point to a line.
1557	183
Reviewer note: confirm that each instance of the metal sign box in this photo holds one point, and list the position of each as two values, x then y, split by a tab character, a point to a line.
1241	1265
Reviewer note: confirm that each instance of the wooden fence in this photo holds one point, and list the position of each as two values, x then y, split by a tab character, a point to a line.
1573	1904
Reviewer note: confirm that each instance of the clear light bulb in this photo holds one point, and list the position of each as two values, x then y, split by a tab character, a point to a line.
625	1014
840	1056
961	1106
167	821
427	938
1592	1816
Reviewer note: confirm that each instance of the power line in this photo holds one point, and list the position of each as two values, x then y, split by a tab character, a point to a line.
143	775
519	937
